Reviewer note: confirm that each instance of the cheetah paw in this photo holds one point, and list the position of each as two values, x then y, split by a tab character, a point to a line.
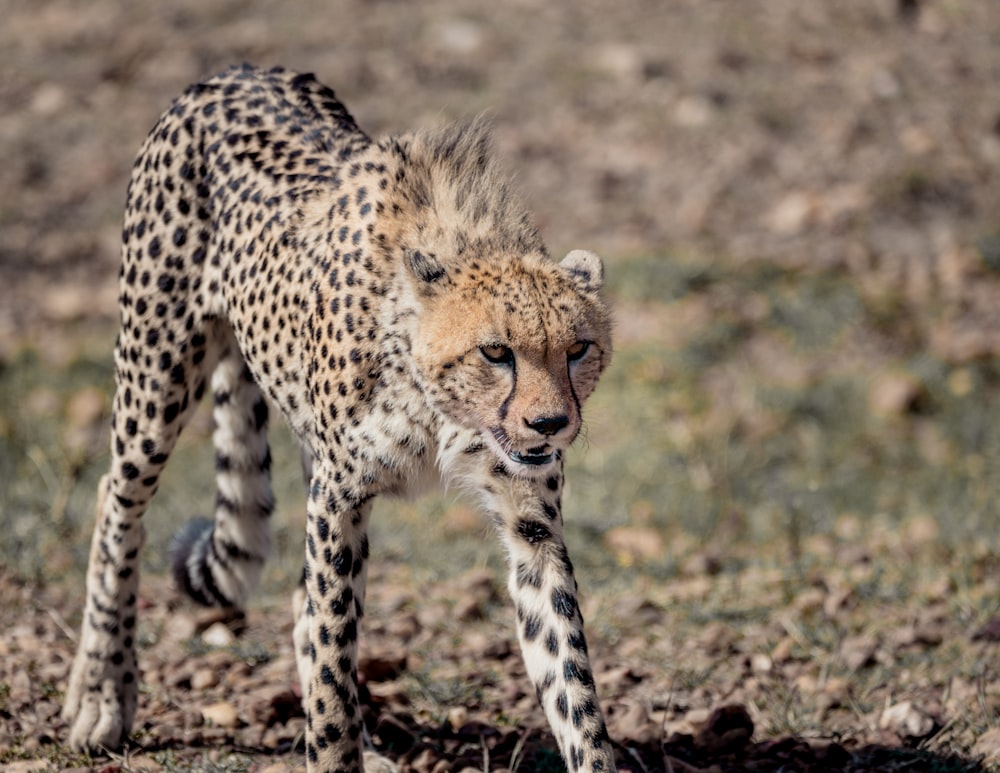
96	725
99	714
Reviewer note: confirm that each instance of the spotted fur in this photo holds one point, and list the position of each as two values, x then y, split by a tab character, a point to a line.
394	301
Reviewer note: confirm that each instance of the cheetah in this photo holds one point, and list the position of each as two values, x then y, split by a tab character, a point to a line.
395	301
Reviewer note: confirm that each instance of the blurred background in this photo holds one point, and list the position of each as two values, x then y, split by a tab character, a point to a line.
798	205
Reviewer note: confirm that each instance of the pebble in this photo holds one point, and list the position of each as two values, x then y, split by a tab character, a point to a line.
988	746
218	635
222	714
204	678
858	651
907	720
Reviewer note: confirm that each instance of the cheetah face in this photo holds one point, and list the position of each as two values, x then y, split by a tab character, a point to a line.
513	349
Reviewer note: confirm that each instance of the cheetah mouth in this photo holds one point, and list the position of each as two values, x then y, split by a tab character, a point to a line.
537	457
534	457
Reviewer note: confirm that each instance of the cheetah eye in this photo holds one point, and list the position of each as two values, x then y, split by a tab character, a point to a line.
498	354
577	350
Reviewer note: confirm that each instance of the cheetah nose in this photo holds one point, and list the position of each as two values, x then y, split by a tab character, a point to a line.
547	425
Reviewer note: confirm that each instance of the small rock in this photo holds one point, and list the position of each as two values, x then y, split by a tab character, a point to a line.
218	635
692	112
221	714
906	720
635	724
376	763
916	636
270	704
858	651
48	100
838	599
988	746
700	564
717	637
835	693
793	214
809	600
204	678
457	716
143	763
782	651
894	394
695	721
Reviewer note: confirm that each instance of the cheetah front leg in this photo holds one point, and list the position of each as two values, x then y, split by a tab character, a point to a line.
336	570
528	517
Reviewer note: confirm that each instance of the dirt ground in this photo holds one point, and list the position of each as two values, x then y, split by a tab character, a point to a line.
857	140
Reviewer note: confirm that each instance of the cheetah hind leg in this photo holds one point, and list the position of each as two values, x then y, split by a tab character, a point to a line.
218	562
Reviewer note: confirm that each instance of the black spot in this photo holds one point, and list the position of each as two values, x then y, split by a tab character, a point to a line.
130	471
331	733
573	672
165	282
343	561
533	531
260	414
550	512
342	605
562	705
532	627
563	603
170	412
348	634
577	642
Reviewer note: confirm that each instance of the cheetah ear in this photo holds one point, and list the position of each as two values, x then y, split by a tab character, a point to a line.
585	268
425	267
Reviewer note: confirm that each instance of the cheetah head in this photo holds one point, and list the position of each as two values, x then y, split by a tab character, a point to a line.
511	348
